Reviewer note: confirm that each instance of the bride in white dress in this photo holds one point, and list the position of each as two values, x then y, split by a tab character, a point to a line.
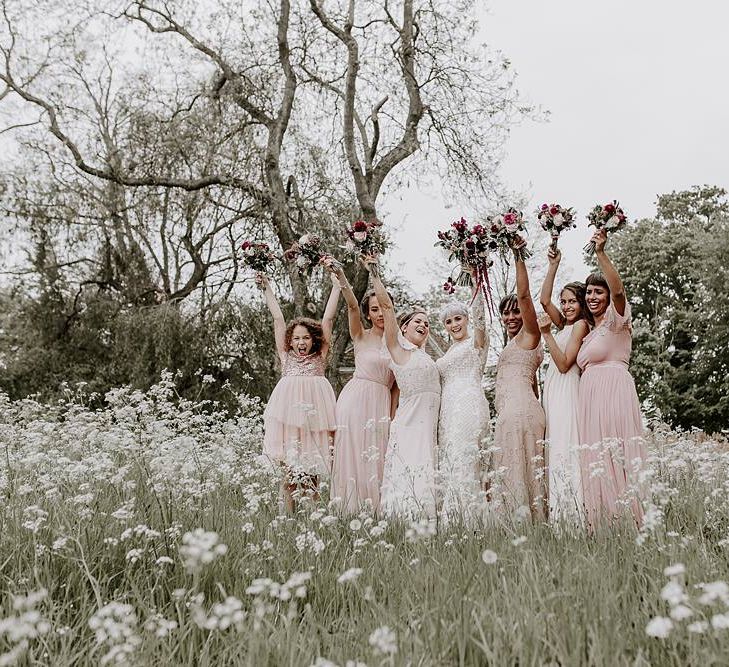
464	414
408	484
561	388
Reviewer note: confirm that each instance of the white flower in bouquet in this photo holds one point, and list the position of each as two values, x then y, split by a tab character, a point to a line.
360	236
302	261
558	220
305	239
613	222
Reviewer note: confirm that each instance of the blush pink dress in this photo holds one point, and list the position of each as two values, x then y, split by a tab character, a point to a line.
517	471
363	426
300	415
610	425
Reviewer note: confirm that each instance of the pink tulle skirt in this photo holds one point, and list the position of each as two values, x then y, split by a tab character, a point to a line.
298	420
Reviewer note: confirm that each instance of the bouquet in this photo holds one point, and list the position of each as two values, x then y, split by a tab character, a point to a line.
472	248
257	256
609	217
554	219
306	253
365	239
505	230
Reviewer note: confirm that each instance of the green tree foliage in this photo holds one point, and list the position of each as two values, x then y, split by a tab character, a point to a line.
675	275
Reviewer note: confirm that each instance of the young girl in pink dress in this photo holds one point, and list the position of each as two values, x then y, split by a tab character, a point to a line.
299	417
364	406
610	424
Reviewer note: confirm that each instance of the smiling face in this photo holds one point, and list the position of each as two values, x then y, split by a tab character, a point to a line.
512	320
457	326
301	340
417	329
375	314
597	298
570	306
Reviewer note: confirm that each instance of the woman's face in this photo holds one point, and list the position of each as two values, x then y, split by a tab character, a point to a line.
301	340
512	321
417	329
457	326
597	298
570	306
375	313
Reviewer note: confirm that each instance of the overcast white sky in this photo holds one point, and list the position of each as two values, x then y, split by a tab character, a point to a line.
639	102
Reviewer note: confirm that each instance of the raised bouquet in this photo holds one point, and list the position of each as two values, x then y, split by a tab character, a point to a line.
555	218
365	239
505	229
306	253
609	217
257	256
472	248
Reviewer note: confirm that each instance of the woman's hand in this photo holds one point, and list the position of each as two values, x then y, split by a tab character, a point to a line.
599	238
545	323
371	264
333	265
554	255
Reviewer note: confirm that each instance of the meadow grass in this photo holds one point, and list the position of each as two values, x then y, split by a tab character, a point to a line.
99	509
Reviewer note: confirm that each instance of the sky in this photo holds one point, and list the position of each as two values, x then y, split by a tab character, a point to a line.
639	106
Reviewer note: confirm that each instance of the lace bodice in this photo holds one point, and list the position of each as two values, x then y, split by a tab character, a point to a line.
516	371
462	364
419	375
311	365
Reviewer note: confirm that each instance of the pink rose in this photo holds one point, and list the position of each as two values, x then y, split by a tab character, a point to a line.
360	236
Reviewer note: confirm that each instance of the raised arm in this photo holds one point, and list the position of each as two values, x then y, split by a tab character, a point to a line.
480	334
617	291
330	313
563	359
530	328
545	296
355	322
279	322
399	355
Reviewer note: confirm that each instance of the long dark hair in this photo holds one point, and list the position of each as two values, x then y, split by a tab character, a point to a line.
509	302
364	304
314	329
578	289
595	278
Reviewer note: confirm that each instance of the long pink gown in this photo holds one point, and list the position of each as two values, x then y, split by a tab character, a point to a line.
609	421
363	426
519	474
300	415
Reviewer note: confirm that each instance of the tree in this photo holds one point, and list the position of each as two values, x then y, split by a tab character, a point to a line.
674	270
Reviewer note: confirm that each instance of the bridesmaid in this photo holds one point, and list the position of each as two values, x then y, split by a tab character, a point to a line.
611	429
408	483
363	407
464	412
519	428
561	388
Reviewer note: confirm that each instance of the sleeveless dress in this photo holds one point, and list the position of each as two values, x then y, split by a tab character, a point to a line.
561	393
408	483
611	428
462	428
300	415
363	425
520	424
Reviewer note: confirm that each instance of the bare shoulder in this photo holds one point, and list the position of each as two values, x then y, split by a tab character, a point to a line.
581	328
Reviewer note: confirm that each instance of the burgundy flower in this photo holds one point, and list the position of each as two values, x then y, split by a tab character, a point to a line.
246	245
545	207
478	230
360	226
449	287
609	208
554	210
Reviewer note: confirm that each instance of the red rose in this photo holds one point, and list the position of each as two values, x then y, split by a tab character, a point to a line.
470	244
246	245
554	210
478	230
609	208
360	226
495	229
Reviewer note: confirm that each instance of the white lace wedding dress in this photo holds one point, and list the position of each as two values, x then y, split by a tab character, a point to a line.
463	426
408	485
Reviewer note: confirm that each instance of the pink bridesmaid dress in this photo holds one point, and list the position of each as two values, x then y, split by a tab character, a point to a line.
300	415
363	425
610	425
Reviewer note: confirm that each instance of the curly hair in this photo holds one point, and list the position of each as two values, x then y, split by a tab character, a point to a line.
314	329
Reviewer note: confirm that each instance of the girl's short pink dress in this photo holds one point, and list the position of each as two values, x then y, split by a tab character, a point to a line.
609	421
363	427
299	416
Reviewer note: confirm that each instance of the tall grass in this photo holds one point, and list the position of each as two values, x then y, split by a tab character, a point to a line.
98	513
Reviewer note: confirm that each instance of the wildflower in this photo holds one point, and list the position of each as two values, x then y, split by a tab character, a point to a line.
659	627
674	570
420	530
355	524
159	625
673	593
715	590
200	548
720	621
349	575
519	540
681	613
115	627
489	557
698	627
384	641
309	541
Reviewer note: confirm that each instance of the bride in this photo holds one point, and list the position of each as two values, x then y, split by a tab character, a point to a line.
464	412
408	484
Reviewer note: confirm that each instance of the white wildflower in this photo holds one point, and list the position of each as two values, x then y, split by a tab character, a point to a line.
349	575
200	548
659	627
384	641
489	557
